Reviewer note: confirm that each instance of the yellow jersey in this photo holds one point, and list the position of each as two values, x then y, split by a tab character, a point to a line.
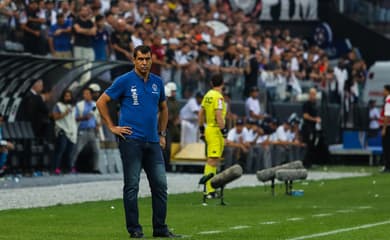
212	101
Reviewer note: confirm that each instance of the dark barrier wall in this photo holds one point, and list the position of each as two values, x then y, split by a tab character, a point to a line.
372	45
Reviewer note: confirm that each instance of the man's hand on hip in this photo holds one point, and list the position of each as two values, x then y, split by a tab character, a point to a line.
121	131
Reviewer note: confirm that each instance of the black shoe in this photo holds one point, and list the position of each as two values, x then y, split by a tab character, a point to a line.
136	235
166	235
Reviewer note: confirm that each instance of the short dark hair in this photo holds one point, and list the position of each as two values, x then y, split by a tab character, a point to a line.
62	98
216	80
60	15
143	49
88	89
99	18
387	87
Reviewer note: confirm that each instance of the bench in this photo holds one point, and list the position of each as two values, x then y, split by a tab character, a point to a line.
192	154
338	150
357	143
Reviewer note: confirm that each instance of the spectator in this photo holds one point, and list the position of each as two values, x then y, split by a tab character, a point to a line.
231	117
101	40
66	11
31	23
64	115
385	132
60	38
158	54
189	120
167	71
36	110
87	129
311	123
174	111
84	31
173	129
256	155
121	42
7	11
237	147
252	105
374	115
281	141
50	13
5	146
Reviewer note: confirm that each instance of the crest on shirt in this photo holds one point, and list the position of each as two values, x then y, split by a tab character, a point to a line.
134	95
155	88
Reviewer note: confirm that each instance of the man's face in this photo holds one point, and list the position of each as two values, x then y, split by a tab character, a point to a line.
87	95
386	93
84	12
239	128
312	95
68	97
143	62
255	94
199	100
61	20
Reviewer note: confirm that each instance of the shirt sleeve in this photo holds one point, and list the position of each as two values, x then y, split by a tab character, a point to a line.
193	105
117	89
56	109
231	135
218	104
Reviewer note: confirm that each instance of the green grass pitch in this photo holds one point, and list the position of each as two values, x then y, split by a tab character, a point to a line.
353	208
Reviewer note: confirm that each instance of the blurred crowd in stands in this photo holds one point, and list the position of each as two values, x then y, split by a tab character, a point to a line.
190	41
375	13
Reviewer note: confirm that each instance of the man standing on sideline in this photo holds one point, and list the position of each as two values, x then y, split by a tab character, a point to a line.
385	120
213	112
87	130
64	115
141	131
311	121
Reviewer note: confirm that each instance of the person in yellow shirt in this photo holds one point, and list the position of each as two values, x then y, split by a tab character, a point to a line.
212	114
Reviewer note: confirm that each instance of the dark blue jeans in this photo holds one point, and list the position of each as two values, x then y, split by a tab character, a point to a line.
63	149
137	154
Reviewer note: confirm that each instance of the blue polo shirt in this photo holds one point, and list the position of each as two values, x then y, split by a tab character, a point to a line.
62	41
139	102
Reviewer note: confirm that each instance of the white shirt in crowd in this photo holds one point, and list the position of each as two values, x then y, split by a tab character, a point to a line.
252	135
252	104
374	113
236	137
190	111
341	76
387	107
262	139
281	134
68	123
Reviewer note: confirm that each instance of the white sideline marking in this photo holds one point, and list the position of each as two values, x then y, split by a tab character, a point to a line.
345	211
364	207
269	223
322	215
340	230
239	227
210	232
294	219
